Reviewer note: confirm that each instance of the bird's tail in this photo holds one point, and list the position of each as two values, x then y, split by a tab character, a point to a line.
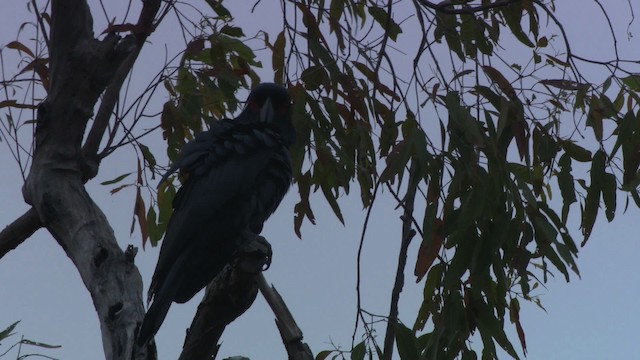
158	310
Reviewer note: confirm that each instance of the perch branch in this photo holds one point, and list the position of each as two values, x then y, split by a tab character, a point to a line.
228	296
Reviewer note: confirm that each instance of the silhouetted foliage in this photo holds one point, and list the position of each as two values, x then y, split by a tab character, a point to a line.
471	114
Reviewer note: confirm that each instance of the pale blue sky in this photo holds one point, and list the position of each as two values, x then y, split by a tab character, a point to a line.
592	318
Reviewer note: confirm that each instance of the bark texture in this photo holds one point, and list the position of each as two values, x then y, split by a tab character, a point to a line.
81	67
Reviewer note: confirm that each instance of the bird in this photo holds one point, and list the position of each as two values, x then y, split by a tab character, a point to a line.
236	174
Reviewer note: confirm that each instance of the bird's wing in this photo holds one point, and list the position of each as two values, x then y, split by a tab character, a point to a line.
195	150
221	166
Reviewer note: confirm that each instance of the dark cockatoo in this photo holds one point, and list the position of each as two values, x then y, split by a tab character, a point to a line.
236	175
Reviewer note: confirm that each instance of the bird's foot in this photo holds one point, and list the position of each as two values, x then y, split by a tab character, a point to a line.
258	246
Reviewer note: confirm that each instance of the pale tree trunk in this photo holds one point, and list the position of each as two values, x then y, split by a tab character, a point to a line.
81	68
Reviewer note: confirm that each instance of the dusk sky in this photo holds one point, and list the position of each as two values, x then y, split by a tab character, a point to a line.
594	317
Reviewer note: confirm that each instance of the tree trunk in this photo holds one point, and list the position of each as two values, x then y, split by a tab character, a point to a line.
81	67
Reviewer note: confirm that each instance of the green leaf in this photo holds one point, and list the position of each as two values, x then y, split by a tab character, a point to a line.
382	17
462	121
154	231
566	185
407	343
576	152
430	285
239	47
513	16
396	161
278	57
118	188
447	26
358	351
632	81
546	235
148	156
319	52
39	344
116	180
322	355
514	315
469	355
218	8
313	77
333	202
8	331
232	31
490	95
491	328
336	9
561	84
609	190
595	117
568	257
590	211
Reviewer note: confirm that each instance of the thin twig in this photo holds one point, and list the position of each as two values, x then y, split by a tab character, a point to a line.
407	234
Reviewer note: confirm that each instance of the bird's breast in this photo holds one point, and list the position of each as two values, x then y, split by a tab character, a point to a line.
270	188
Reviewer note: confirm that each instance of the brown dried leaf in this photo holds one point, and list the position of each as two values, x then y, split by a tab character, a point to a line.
428	252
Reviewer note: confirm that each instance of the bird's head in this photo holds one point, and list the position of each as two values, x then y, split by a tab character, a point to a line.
270	104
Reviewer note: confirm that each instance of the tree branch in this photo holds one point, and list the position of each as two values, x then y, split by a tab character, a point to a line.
289	330
407	234
448	7
228	296
144	28
18	231
81	67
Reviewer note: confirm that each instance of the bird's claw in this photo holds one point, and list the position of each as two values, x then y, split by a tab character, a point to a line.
254	243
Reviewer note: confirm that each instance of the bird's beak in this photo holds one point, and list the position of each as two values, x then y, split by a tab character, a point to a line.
267	112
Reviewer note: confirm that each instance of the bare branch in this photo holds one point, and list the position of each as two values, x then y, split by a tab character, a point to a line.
407	234
145	26
19	230
289	330
448	7
228	296
365	226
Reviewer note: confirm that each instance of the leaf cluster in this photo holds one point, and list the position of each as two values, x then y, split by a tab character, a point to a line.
492	142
